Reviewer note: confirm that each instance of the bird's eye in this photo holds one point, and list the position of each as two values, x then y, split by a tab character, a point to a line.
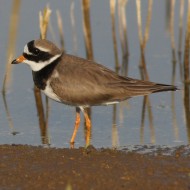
36	51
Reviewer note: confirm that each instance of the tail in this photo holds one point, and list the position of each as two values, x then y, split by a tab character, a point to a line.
129	87
163	87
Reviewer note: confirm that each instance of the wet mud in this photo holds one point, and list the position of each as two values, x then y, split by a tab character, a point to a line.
29	167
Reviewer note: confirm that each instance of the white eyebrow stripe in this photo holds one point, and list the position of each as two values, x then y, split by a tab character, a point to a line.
26	50
43	49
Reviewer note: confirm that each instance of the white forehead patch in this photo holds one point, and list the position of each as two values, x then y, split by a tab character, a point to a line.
26	50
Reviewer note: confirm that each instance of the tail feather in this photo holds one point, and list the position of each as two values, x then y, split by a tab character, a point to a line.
131	87
164	87
147	88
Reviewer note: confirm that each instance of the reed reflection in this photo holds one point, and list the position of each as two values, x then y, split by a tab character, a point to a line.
8	115
115	141
174	66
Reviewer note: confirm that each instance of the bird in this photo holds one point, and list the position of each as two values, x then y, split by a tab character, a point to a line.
80	82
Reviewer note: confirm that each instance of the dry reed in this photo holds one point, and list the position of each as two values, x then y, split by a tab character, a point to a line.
181	16
112	14
87	28
43	120
13	29
123	26
144	73
60	28
73	27
89	52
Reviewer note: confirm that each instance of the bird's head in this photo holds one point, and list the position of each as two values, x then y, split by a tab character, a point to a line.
38	54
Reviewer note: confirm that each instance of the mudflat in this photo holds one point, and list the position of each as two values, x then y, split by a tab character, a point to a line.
30	167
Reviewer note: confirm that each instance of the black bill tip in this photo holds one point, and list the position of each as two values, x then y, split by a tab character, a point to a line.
14	62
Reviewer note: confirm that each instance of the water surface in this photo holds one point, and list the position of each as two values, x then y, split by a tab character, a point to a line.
165	122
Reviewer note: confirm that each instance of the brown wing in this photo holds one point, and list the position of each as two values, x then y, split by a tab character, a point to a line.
84	82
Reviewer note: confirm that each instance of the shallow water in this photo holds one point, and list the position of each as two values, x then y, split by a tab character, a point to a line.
167	124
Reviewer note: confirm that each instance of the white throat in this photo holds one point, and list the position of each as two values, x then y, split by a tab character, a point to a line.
40	65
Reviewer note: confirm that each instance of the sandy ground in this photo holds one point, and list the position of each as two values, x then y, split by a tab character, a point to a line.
28	167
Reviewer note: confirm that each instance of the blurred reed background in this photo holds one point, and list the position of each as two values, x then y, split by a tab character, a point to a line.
118	22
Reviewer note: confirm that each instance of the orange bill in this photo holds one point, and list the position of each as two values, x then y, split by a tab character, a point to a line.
20	59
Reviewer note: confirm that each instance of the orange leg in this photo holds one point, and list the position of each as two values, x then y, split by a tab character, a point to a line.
87	120
77	123
88	127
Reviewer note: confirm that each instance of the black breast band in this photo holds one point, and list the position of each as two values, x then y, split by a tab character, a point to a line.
40	77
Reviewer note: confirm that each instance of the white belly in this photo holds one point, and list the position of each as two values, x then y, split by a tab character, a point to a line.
49	92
